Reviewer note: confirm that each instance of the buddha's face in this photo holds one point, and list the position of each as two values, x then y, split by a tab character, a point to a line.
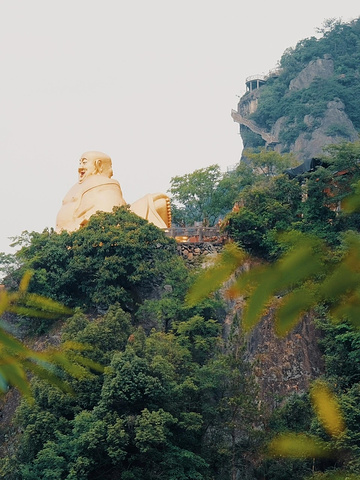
94	163
87	166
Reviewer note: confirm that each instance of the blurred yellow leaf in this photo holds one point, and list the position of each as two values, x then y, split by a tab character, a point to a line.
24	284
327	409
46	305
294	445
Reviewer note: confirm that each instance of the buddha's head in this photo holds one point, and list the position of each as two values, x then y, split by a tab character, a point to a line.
94	163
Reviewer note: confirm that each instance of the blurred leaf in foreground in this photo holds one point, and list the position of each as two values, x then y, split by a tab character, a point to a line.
328	412
214	277
308	274
327	409
351	204
30	304
298	445
303	261
17	360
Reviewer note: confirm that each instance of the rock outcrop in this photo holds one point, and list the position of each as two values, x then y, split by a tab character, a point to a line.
319	68
281	365
334	127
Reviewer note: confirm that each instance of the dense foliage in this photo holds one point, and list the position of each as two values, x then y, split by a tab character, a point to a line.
207	195
309	203
317	266
169	398
340	344
165	407
174	400
193	196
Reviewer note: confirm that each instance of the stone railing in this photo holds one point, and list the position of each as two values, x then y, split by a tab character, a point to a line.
196	234
191	251
198	240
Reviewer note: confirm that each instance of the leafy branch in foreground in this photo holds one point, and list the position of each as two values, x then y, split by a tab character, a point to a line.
30	304
307	275
304	277
17	360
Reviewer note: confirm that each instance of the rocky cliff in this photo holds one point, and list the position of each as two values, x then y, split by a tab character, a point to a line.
281	365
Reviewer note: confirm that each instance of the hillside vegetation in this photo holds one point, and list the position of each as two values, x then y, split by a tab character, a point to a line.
301	109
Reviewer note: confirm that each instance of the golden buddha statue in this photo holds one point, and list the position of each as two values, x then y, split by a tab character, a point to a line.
97	191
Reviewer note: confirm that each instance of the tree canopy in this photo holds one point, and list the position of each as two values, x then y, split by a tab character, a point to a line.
193	196
309	203
116	257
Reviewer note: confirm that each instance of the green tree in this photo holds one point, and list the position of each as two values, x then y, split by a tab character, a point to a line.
155	412
266	209
327	189
310	275
236	431
207	194
268	163
193	196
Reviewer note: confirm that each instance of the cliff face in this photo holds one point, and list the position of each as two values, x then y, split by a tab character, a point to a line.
331	127
334	127
281	365
287	365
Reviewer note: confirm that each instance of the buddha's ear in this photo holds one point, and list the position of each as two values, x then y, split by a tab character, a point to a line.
98	166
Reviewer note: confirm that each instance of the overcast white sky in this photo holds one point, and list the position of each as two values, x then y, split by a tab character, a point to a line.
149	82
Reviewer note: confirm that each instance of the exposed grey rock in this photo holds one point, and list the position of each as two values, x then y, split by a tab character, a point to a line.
249	101
278	126
168	288
319	68
335	127
286	365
